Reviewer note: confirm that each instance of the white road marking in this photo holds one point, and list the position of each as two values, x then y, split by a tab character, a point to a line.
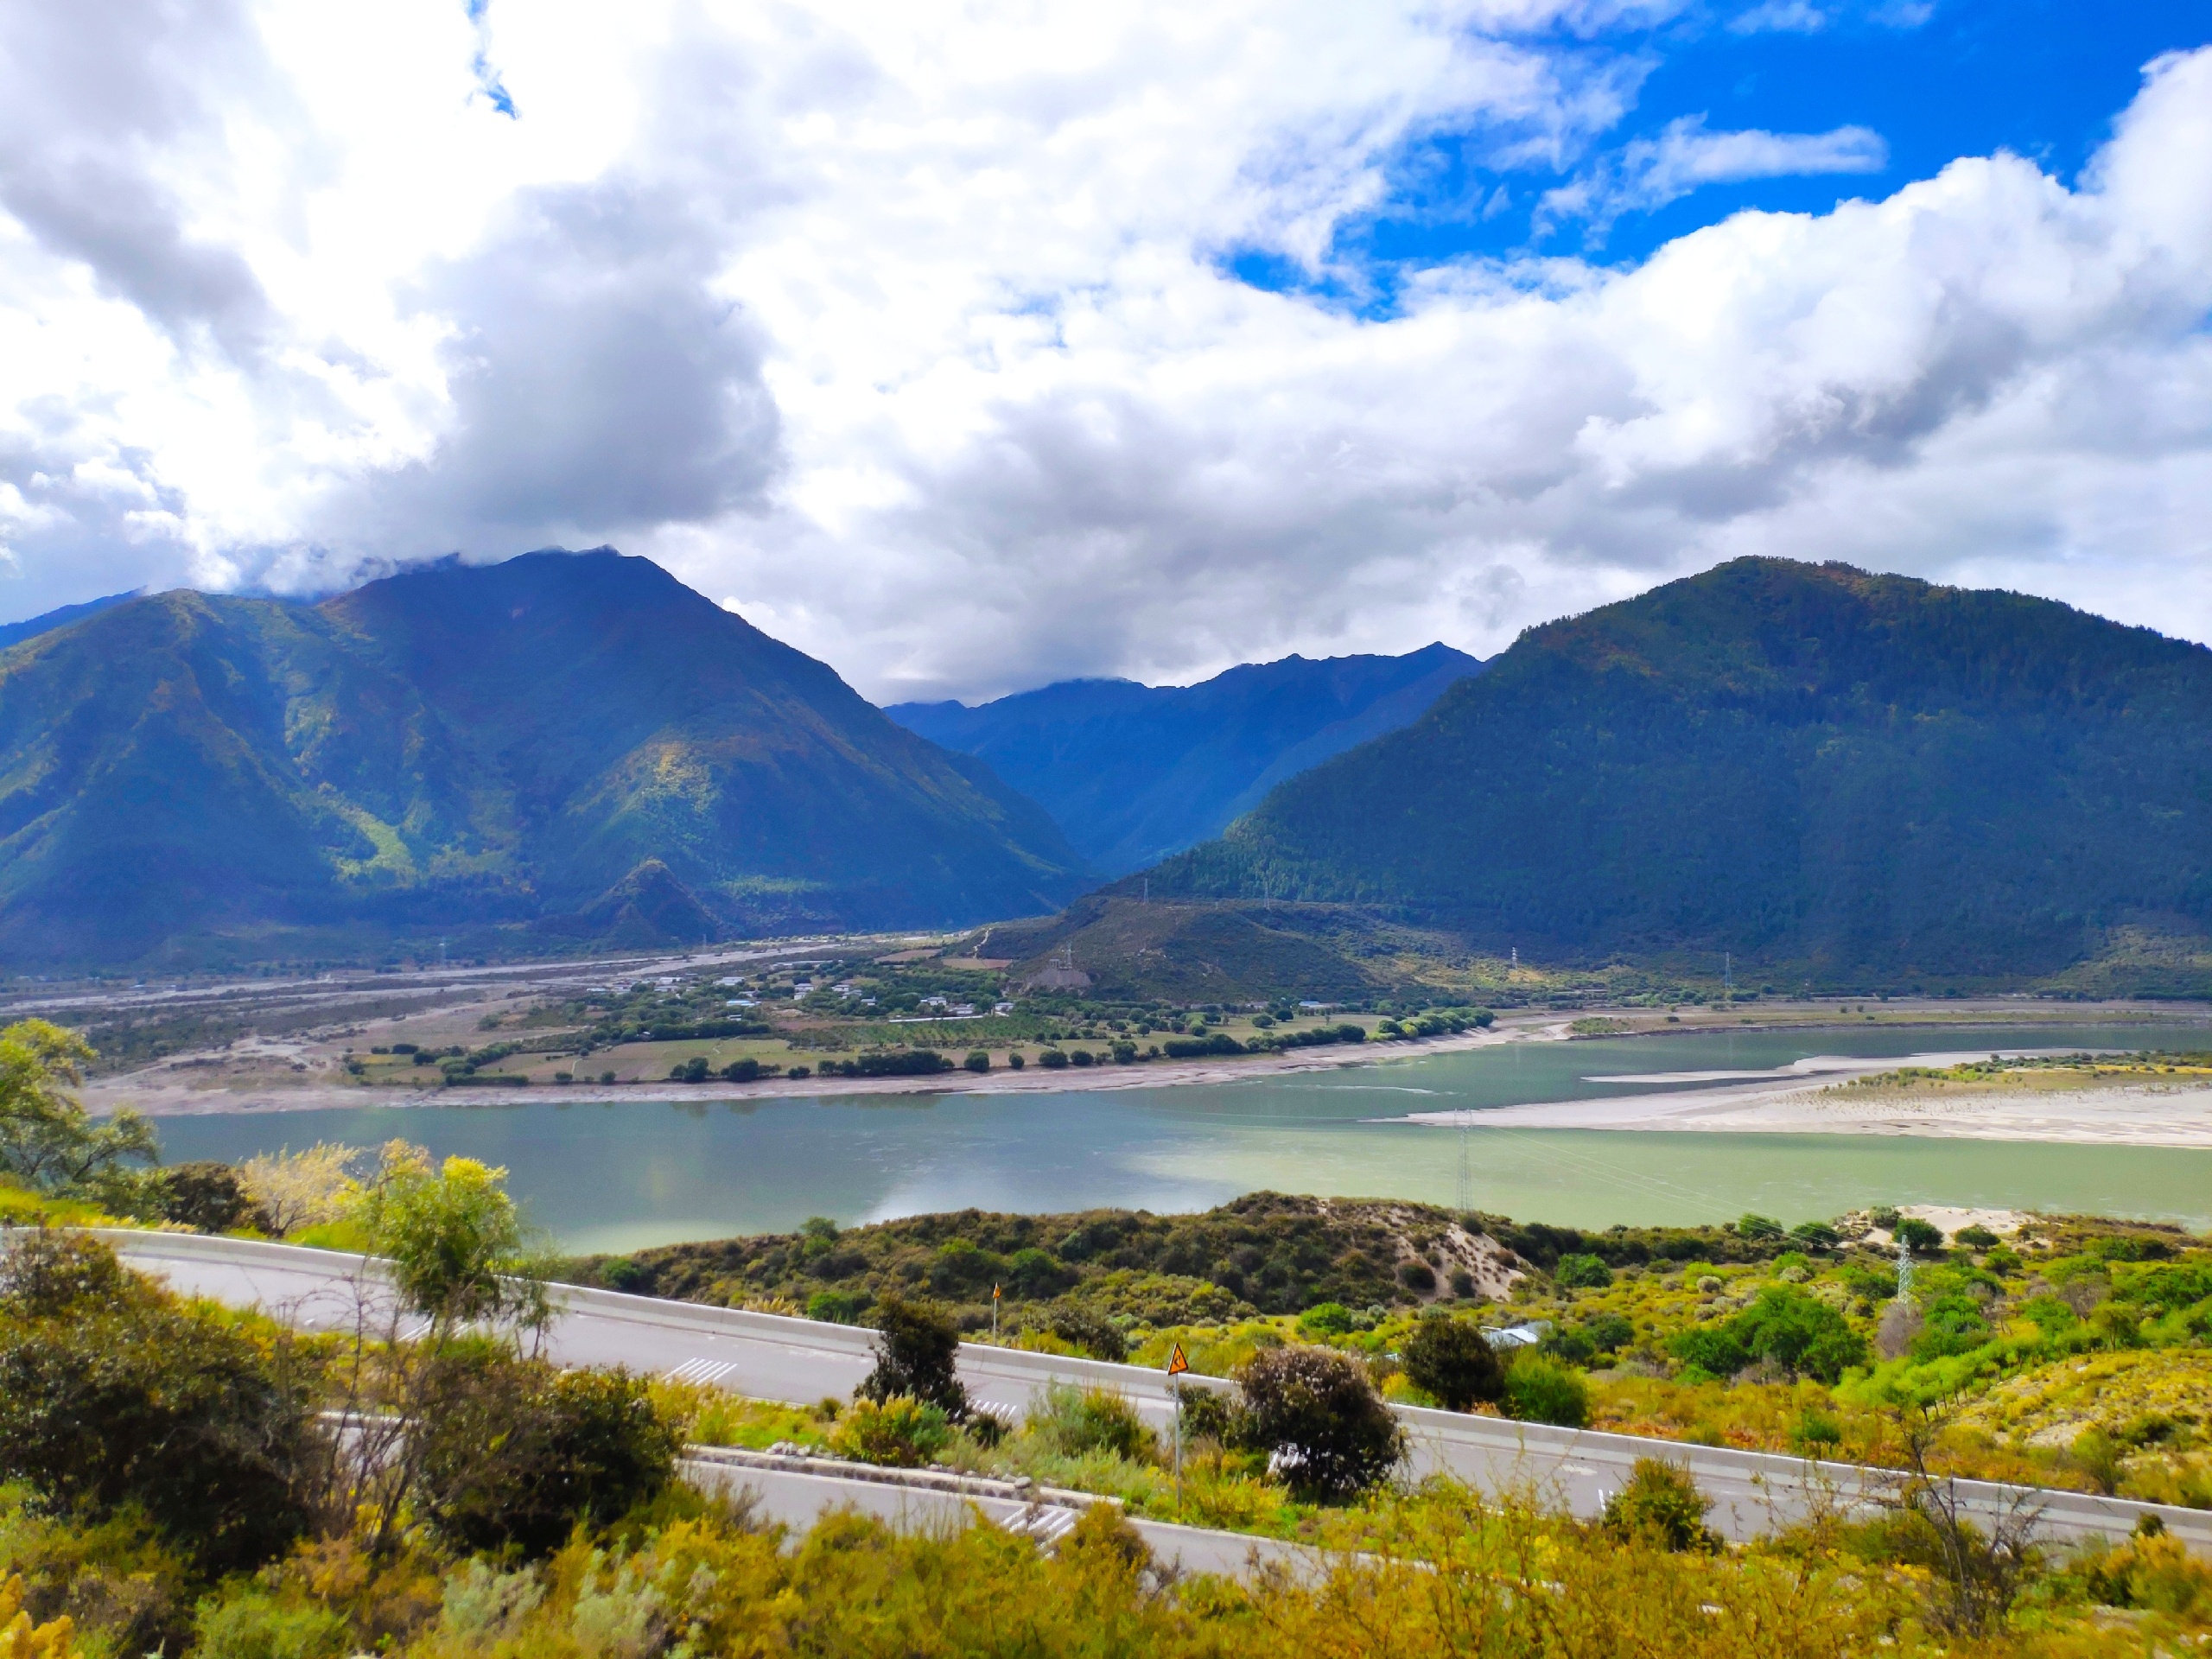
702	1371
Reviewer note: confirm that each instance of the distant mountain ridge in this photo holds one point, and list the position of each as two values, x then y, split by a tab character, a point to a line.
1803	765
1134	772
575	745
14	633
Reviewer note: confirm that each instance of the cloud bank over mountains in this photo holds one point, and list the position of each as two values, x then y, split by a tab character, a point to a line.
917	334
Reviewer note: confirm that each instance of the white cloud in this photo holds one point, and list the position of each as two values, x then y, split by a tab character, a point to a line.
1648	173
905	329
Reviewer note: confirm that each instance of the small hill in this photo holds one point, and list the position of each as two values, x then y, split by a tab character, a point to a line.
1134	772
1271	1252
1810	766
1116	948
567	744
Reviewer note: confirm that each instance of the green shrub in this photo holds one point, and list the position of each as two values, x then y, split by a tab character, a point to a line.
1581	1273
1711	1349
1453	1363
1541	1390
114	1396
917	1356
1951	1325
978	1060
1073	1422
1661	1505
1815	1434
1325	1320
1088	1328
1317	1415
899	1431
1752	1225
1209	1414
1608	1331
1032	1272
837	1306
515	1453
1052	1058
251	1625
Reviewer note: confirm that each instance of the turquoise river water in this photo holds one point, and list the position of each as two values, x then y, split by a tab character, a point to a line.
622	1176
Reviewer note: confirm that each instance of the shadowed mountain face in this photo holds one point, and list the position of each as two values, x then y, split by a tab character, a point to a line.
574	741
1802	765
1134	772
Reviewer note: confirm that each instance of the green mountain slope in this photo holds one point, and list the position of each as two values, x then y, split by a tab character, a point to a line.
1805	766
476	746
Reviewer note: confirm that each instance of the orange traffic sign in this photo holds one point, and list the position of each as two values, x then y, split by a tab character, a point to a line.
1176	1363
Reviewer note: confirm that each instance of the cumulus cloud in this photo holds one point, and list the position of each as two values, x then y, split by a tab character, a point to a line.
910	331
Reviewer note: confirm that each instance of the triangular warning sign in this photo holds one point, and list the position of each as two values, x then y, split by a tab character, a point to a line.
1176	1363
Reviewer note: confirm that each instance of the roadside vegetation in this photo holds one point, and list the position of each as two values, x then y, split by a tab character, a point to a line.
175	1476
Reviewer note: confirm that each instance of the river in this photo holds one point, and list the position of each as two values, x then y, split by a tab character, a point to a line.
622	1176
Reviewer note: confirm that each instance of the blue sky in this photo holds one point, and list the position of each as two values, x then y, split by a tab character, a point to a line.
2042	79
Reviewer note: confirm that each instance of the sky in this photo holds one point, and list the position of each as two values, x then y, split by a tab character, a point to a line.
973	346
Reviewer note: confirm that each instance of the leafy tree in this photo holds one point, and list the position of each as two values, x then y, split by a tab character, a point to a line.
1753	1225
209	1197
1816	1235
455	1241
1785	1326
303	1189
1794	1329
114	1397
1921	1237
1454	1364
47	1140
1316	1412
917	1356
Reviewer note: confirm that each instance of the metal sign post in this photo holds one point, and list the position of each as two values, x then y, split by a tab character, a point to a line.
1177	1364
995	1312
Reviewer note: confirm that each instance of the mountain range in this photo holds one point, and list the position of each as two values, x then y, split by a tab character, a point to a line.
1133	773
563	745
1801	765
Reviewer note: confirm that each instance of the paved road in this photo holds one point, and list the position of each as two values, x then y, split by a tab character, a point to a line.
797	1490
768	1356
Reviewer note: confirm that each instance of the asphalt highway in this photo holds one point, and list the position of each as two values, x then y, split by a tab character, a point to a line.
772	1358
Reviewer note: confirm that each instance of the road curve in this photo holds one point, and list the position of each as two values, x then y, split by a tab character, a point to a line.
771	1357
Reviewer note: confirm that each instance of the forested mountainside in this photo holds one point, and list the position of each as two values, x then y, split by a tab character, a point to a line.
1134	772
1801	765
573	745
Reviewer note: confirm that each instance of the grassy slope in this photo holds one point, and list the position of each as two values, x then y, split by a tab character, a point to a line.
1802	765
